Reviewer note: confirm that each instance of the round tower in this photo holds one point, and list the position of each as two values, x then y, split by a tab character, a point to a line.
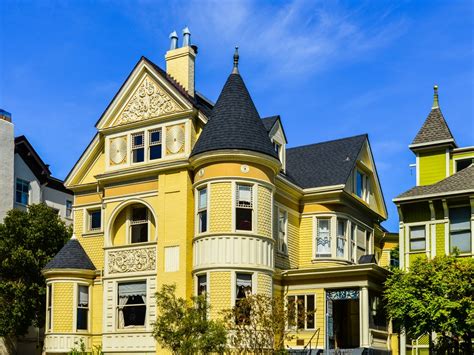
234	165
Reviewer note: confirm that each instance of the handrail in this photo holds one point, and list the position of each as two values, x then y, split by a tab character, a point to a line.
311	339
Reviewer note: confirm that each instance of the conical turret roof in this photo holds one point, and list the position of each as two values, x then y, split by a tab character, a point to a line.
234	122
71	256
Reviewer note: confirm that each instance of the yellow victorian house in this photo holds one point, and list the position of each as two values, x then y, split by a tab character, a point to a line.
176	189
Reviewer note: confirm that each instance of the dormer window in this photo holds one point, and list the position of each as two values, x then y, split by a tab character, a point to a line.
277	147
362	185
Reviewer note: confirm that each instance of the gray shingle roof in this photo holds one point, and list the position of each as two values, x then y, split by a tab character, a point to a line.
71	256
458	182
323	164
434	129
234	123
268	122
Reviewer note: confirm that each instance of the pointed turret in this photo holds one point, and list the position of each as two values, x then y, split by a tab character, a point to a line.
234	122
71	256
435	130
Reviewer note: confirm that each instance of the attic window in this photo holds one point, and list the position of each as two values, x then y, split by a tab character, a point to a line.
138	147
362	185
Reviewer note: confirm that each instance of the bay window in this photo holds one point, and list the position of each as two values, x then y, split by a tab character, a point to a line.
417	238
139	224
460	229
341	237
353	245
323	237
49	307
243	289
243	207
82	307
202	210
131	307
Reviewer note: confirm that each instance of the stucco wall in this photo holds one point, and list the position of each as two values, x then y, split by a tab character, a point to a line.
6	164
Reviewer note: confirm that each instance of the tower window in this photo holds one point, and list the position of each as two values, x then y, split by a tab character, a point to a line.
82	307
243	208
202	210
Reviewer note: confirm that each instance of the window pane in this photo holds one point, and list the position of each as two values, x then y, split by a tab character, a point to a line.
140	233
131	304
243	219
323	238
462	241
139	214
359	184
155	137
300	312
463	164
203	221
244	195
137	140
83	296
291	311
82	318
138	155
460	218
155	152
417	245
243	285
417	238
310	311
202	284
95	222
134	315
202	198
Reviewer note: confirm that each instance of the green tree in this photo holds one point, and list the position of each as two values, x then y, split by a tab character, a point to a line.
434	296
28	240
183	327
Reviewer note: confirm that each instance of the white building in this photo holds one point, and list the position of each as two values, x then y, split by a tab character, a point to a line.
24	178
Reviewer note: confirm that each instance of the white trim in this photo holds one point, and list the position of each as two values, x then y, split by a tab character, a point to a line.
49	297
417	163
450	140
438	194
74	307
447	162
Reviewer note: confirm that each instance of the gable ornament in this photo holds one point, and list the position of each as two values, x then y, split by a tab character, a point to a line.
148	101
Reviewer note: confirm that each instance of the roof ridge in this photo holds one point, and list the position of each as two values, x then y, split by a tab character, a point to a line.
329	141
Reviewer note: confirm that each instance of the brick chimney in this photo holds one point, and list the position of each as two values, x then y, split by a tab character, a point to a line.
180	61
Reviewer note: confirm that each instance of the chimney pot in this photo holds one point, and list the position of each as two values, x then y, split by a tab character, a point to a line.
186	37
174	40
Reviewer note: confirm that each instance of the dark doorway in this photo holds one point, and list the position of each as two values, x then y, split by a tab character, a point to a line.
345	324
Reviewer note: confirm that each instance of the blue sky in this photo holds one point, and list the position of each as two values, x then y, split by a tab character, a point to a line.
331	69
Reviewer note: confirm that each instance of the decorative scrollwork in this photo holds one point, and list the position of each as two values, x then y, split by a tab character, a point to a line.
347	294
132	260
148	101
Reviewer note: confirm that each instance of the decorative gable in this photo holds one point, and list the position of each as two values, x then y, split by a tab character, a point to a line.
149	100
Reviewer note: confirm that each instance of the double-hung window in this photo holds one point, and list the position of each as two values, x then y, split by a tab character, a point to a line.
282	231
460	233
138	147
201	285
22	195
417	238
361	240
341	237
82	307
95	220
68	209
301	311
131	307
202	210
353	245
323	237
243	207
139	224
155	144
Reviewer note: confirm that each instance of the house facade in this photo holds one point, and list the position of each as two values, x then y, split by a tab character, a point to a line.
176	189
437	215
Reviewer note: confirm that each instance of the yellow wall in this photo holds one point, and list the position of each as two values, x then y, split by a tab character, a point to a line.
306	242
219	292
264	206
62	307
265	284
96	312
440	239
228	169
469	154
432	167
220	208
97	167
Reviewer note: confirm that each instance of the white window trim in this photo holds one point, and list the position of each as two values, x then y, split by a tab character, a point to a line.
86	225
74	303
448	235
233	283
66	209
49	316
455	160
295	327
128	225
407	227
116	305
196	208
254	206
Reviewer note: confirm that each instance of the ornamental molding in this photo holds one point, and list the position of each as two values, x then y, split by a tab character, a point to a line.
149	100
132	260
346	294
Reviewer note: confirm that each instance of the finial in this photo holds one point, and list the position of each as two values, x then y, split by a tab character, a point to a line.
236	61
174	40
73	237
435	97
186	37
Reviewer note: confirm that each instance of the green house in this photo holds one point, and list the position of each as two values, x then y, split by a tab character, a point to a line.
436	215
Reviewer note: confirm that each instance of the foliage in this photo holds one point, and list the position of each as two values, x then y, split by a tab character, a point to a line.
28	240
97	349
183	327
258	324
433	296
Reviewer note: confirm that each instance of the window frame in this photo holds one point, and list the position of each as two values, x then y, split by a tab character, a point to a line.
197	290
365	188
317	220
410	239
77	307
154	144
456	161
49	307
138	147
24	183
90	211
200	210
295	325
69	209
460	231
118	307
285	232
251	207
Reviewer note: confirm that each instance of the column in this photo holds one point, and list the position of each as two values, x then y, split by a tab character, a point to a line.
364	316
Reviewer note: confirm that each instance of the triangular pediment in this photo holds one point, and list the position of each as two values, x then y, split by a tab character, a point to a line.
145	95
